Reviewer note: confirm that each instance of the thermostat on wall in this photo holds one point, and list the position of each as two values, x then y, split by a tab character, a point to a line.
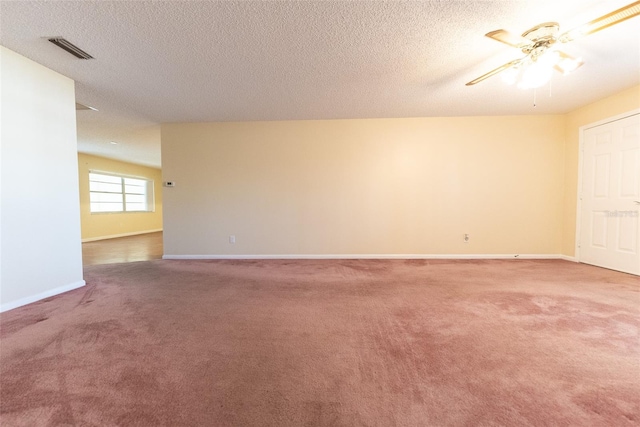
169	183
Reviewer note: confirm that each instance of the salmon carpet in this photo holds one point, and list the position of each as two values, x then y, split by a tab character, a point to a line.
328	343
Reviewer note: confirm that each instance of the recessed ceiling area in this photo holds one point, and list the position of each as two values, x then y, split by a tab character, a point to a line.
193	61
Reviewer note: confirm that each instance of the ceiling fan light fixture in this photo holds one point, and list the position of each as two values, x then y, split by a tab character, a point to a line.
510	75
538	71
535	76
566	65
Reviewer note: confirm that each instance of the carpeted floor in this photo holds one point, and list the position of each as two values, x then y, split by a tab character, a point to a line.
328	343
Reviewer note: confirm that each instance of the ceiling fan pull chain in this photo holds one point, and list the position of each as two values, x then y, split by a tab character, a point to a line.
535	92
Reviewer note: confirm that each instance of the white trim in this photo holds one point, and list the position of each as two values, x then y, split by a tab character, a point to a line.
119	175
568	258
611	119
576	242
33	298
373	256
115	236
614	269
581	131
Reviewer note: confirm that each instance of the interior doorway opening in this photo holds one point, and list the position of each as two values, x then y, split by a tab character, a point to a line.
141	247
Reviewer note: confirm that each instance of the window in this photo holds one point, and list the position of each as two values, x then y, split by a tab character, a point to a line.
114	193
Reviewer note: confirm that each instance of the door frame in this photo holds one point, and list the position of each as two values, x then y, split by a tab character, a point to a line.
581	131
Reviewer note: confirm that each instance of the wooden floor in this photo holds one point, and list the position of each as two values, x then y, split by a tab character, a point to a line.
142	247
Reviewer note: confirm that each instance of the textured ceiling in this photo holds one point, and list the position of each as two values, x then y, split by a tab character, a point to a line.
190	61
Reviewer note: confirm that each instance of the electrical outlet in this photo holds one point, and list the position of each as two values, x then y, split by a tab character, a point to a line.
232	239
466	238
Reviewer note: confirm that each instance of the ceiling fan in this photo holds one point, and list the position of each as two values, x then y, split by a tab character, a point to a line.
541	55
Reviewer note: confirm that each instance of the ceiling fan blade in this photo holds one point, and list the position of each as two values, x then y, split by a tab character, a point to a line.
504	36
612	18
496	71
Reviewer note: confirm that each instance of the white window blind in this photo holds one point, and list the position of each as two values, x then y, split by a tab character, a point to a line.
116	193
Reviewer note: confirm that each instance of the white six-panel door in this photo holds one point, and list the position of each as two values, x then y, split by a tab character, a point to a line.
610	197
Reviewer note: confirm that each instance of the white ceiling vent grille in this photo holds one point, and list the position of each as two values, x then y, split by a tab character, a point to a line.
70	47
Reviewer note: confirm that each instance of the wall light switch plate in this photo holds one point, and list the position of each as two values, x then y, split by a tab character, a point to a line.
169	183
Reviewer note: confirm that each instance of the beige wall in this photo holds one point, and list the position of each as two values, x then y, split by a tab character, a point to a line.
375	186
95	226
622	102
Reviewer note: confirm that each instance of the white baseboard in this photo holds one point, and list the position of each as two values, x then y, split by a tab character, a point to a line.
33	298
374	256
115	236
569	258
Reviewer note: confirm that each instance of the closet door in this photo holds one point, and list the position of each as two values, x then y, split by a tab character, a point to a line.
610	196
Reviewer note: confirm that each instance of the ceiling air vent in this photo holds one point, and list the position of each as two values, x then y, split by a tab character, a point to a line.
70	47
80	107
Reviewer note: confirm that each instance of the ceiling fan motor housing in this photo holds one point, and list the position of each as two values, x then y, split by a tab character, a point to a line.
542	37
